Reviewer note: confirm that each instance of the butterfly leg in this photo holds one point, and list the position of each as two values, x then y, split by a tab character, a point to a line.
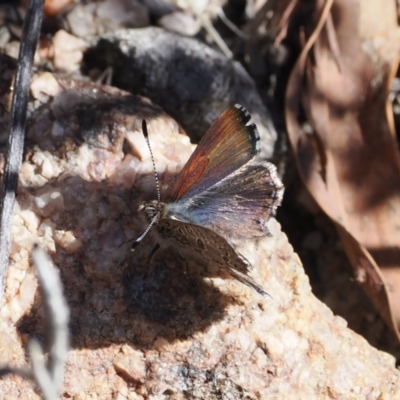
151	264
164	254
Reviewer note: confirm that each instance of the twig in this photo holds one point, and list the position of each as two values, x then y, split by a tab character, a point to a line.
22	372
48	376
57	315
209	27
230	24
15	144
40	373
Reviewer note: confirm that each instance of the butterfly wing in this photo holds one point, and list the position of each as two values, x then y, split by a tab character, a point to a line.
210	246
238	206
227	145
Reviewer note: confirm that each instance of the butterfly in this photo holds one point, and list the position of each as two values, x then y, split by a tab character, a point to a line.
220	196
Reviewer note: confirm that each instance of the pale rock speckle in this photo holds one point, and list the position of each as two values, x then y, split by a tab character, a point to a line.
68	51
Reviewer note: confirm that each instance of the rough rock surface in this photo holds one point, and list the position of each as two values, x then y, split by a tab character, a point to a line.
158	333
189	80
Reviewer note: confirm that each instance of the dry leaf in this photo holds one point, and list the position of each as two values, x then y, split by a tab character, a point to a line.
350	163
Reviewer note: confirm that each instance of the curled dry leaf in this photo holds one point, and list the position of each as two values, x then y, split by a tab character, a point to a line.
350	162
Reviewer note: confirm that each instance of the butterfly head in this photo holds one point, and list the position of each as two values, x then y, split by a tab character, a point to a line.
153	210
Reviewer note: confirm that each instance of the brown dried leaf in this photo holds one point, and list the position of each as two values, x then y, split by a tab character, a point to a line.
350	163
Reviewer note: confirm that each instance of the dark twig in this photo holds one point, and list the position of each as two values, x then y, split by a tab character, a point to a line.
15	144
48	376
22	372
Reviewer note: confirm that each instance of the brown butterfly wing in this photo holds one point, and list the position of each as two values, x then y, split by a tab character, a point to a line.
210	246
227	145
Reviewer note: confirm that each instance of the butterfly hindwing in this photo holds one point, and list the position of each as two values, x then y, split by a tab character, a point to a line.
205	242
238	206
227	145
210	246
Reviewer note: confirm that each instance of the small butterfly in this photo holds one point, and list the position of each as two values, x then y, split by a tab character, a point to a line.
220	195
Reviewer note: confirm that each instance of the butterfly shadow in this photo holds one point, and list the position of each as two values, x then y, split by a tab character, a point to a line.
175	301
116	295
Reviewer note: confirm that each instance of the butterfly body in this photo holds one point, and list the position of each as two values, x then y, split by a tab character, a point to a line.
220	196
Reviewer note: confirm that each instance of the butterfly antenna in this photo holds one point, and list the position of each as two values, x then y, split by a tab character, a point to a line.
146	136
153	221
135	244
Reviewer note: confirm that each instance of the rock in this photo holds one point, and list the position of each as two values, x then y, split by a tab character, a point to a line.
189	80
160	333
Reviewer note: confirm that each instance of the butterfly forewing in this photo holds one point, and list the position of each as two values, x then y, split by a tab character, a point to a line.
227	145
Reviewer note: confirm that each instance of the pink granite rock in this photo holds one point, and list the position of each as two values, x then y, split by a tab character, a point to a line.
159	333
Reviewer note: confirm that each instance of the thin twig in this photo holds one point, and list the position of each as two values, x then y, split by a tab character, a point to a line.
57	315
40	373
48	375
16	137
22	372
230	24
209	27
